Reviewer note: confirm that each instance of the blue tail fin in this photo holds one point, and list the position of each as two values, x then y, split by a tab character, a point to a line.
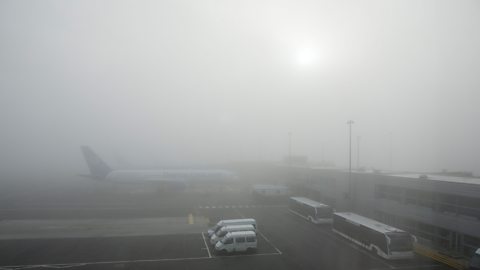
98	168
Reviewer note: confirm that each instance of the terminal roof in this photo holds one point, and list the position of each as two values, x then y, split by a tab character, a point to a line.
274	187
436	177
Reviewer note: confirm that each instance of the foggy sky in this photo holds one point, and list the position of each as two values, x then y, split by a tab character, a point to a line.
195	82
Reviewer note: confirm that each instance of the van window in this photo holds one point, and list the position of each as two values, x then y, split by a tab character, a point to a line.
250	239
240	239
228	241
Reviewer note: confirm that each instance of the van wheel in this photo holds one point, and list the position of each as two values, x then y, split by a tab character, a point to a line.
374	252
251	250
310	219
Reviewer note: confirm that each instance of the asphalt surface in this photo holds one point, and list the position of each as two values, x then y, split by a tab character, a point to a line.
285	241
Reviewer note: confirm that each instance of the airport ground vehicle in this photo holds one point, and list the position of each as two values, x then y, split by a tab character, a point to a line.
270	193
237	241
227	229
475	261
229	222
385	241
310	210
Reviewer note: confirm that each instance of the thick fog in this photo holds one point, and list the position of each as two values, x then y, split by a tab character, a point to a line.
184	83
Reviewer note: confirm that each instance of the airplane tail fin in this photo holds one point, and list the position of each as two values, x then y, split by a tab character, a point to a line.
98	168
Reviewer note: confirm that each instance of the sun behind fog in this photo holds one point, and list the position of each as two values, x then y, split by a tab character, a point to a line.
306	57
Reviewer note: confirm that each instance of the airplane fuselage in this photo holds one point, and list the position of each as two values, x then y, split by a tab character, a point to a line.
171	175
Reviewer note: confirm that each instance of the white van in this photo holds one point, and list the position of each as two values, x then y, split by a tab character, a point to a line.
237	241
230	228
228	222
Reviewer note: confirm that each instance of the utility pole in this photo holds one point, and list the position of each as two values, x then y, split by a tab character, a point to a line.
358	152
391	151
322	153
289	148
350	184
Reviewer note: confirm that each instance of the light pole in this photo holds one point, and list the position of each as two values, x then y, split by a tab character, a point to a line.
358	152
390	156
350	185
289	148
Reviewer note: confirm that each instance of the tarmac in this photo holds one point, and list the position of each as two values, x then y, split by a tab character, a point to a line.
102	229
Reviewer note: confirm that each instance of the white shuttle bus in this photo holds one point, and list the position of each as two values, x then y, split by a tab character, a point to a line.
386	241
229	222
311	210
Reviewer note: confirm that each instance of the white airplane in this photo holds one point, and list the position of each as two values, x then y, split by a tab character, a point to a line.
166	178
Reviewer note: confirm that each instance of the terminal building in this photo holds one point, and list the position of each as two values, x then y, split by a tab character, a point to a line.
442	211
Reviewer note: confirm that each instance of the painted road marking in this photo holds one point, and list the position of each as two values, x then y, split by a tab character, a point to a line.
70	265
249	255
425	266
240	206
208	249
417	266
261	234
79	264
268	241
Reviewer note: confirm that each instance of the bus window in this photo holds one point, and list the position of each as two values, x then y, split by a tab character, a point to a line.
324	212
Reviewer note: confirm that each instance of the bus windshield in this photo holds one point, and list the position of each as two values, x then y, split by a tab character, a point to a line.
400	242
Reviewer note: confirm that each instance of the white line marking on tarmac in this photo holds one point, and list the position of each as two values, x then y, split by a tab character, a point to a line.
417	266
70	265
409	267
66	265
261	234
268	241
249	255
240	206
208	249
